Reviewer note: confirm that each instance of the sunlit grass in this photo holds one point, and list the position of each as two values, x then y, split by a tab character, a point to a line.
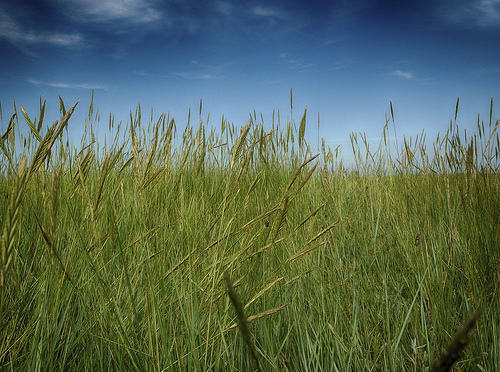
114	253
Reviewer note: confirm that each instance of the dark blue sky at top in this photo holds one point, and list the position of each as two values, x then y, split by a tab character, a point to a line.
344	59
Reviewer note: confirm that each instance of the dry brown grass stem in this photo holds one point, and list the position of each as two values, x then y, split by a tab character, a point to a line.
242	320
456	346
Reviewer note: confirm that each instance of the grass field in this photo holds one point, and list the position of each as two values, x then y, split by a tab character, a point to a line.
114	254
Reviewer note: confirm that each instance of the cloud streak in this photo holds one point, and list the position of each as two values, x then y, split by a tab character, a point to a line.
489	12
194	75
295	63
468	14
16	34
268	12
82	86
403	74
132	11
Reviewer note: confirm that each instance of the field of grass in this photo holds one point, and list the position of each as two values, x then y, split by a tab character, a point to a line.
119	255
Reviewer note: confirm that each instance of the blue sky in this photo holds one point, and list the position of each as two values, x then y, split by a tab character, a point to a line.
344	59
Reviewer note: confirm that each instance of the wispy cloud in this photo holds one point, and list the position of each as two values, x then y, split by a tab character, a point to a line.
471	13
143	73
266	11
85	86
194	75
258	18
78	86
16	34
134	11
199	70
489	70
295	63
403	74
241	10
489	12
35	82
198	63
224	7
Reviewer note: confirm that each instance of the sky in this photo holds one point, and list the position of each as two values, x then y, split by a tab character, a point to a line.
344	59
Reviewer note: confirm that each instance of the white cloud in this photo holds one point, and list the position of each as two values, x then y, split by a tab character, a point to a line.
69	85
224	7
489	70
34	82
194	75
143	73
489	12
403	74
62	39
15	34
268	12
471	13
135	11
294	63
78	86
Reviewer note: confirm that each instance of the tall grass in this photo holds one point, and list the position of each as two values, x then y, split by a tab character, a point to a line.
114	254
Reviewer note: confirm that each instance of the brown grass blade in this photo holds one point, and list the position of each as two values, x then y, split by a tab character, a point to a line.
242	320
456	346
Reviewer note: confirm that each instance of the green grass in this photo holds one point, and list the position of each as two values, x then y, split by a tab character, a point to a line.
114	254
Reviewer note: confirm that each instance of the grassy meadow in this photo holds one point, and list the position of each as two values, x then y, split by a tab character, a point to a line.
195	248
